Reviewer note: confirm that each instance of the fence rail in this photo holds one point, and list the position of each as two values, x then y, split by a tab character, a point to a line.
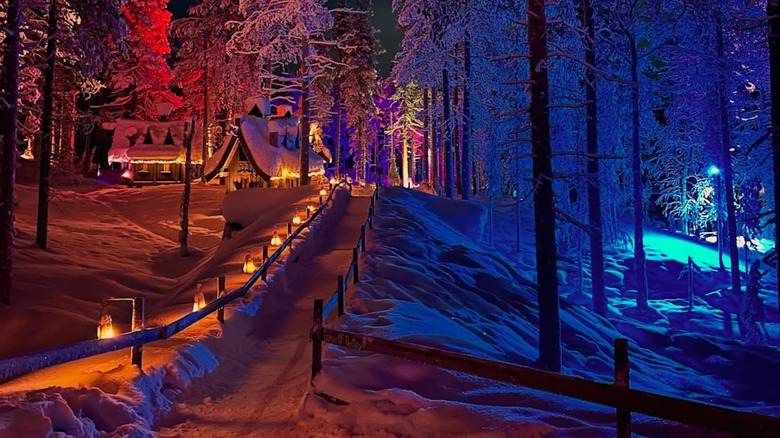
617	395
13	367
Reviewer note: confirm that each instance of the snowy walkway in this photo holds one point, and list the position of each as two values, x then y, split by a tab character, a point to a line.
257	392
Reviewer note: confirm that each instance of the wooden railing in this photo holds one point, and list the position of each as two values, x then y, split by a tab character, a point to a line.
618	394
16	366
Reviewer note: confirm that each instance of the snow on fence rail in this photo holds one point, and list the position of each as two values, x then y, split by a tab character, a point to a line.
13	367
618	395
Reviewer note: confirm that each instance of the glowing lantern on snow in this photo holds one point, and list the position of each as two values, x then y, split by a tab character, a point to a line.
249	265
28	154
200	300
105	327
333	181
323	192
296	220
276	240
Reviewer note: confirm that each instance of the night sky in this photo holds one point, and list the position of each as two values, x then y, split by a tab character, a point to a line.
383	19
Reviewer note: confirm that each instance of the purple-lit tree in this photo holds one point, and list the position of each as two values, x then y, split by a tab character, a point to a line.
358	83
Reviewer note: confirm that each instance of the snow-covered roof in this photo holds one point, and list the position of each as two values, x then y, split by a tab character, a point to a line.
275	162
129	142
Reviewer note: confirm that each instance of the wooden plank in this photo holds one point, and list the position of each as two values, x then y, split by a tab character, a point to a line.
683	411
19	365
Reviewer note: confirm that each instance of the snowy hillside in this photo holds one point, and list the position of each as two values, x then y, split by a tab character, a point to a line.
431	280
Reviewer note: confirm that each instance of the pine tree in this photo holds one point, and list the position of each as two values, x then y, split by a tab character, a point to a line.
358	83
773	14
9	112
140	77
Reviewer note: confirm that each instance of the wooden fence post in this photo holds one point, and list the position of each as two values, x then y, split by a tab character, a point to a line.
136	352
289	229
220	292
320	199
355	263
622	369
363	238
264	275
316	340
340	292
371	218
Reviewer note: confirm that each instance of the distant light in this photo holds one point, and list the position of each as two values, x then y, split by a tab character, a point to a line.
713	170
732	149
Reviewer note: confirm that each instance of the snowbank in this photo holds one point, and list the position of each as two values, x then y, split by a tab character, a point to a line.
82	401
431	281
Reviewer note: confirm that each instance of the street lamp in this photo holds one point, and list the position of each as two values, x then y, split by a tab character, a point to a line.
713	170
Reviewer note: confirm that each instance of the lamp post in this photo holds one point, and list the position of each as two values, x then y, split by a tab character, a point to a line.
714	172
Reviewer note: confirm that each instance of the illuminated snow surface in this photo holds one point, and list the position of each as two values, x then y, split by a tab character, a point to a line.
430	278
433	281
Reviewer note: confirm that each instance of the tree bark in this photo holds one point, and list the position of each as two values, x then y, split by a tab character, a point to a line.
728	171
41	234
338	132
456	146
304	174
546	257
9	115
426	149
435	165
640	269
185	197
449	158
594	190
465	159
773	12
205	135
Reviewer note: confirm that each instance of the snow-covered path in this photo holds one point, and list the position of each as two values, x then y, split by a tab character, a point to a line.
257	392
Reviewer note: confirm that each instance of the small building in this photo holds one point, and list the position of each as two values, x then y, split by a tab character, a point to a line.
261	150
151	153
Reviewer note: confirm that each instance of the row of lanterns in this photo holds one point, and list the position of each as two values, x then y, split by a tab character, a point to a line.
105	328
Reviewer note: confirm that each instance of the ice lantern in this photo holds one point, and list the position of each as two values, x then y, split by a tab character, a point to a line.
105	327
200	301
249	265
323	192
276	240
296	220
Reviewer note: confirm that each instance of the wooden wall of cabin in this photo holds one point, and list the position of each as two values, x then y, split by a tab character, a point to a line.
162	173
242	175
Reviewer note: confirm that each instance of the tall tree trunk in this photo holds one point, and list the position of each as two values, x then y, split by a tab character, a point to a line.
185	197
449	158
9	115
435	174
465	159
594	189
338	133
305	114
546	257
405	158
205	134
773	12
426	146
456	134
636	168
728	171
41	235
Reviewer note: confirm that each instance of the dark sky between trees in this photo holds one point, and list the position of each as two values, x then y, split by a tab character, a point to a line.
383	19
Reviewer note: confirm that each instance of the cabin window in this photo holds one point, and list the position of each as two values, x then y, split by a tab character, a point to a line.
166	168
144	168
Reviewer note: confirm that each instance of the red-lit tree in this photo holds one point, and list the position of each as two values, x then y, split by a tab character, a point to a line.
140	77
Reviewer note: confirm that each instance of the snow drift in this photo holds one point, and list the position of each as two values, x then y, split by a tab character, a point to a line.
431	281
